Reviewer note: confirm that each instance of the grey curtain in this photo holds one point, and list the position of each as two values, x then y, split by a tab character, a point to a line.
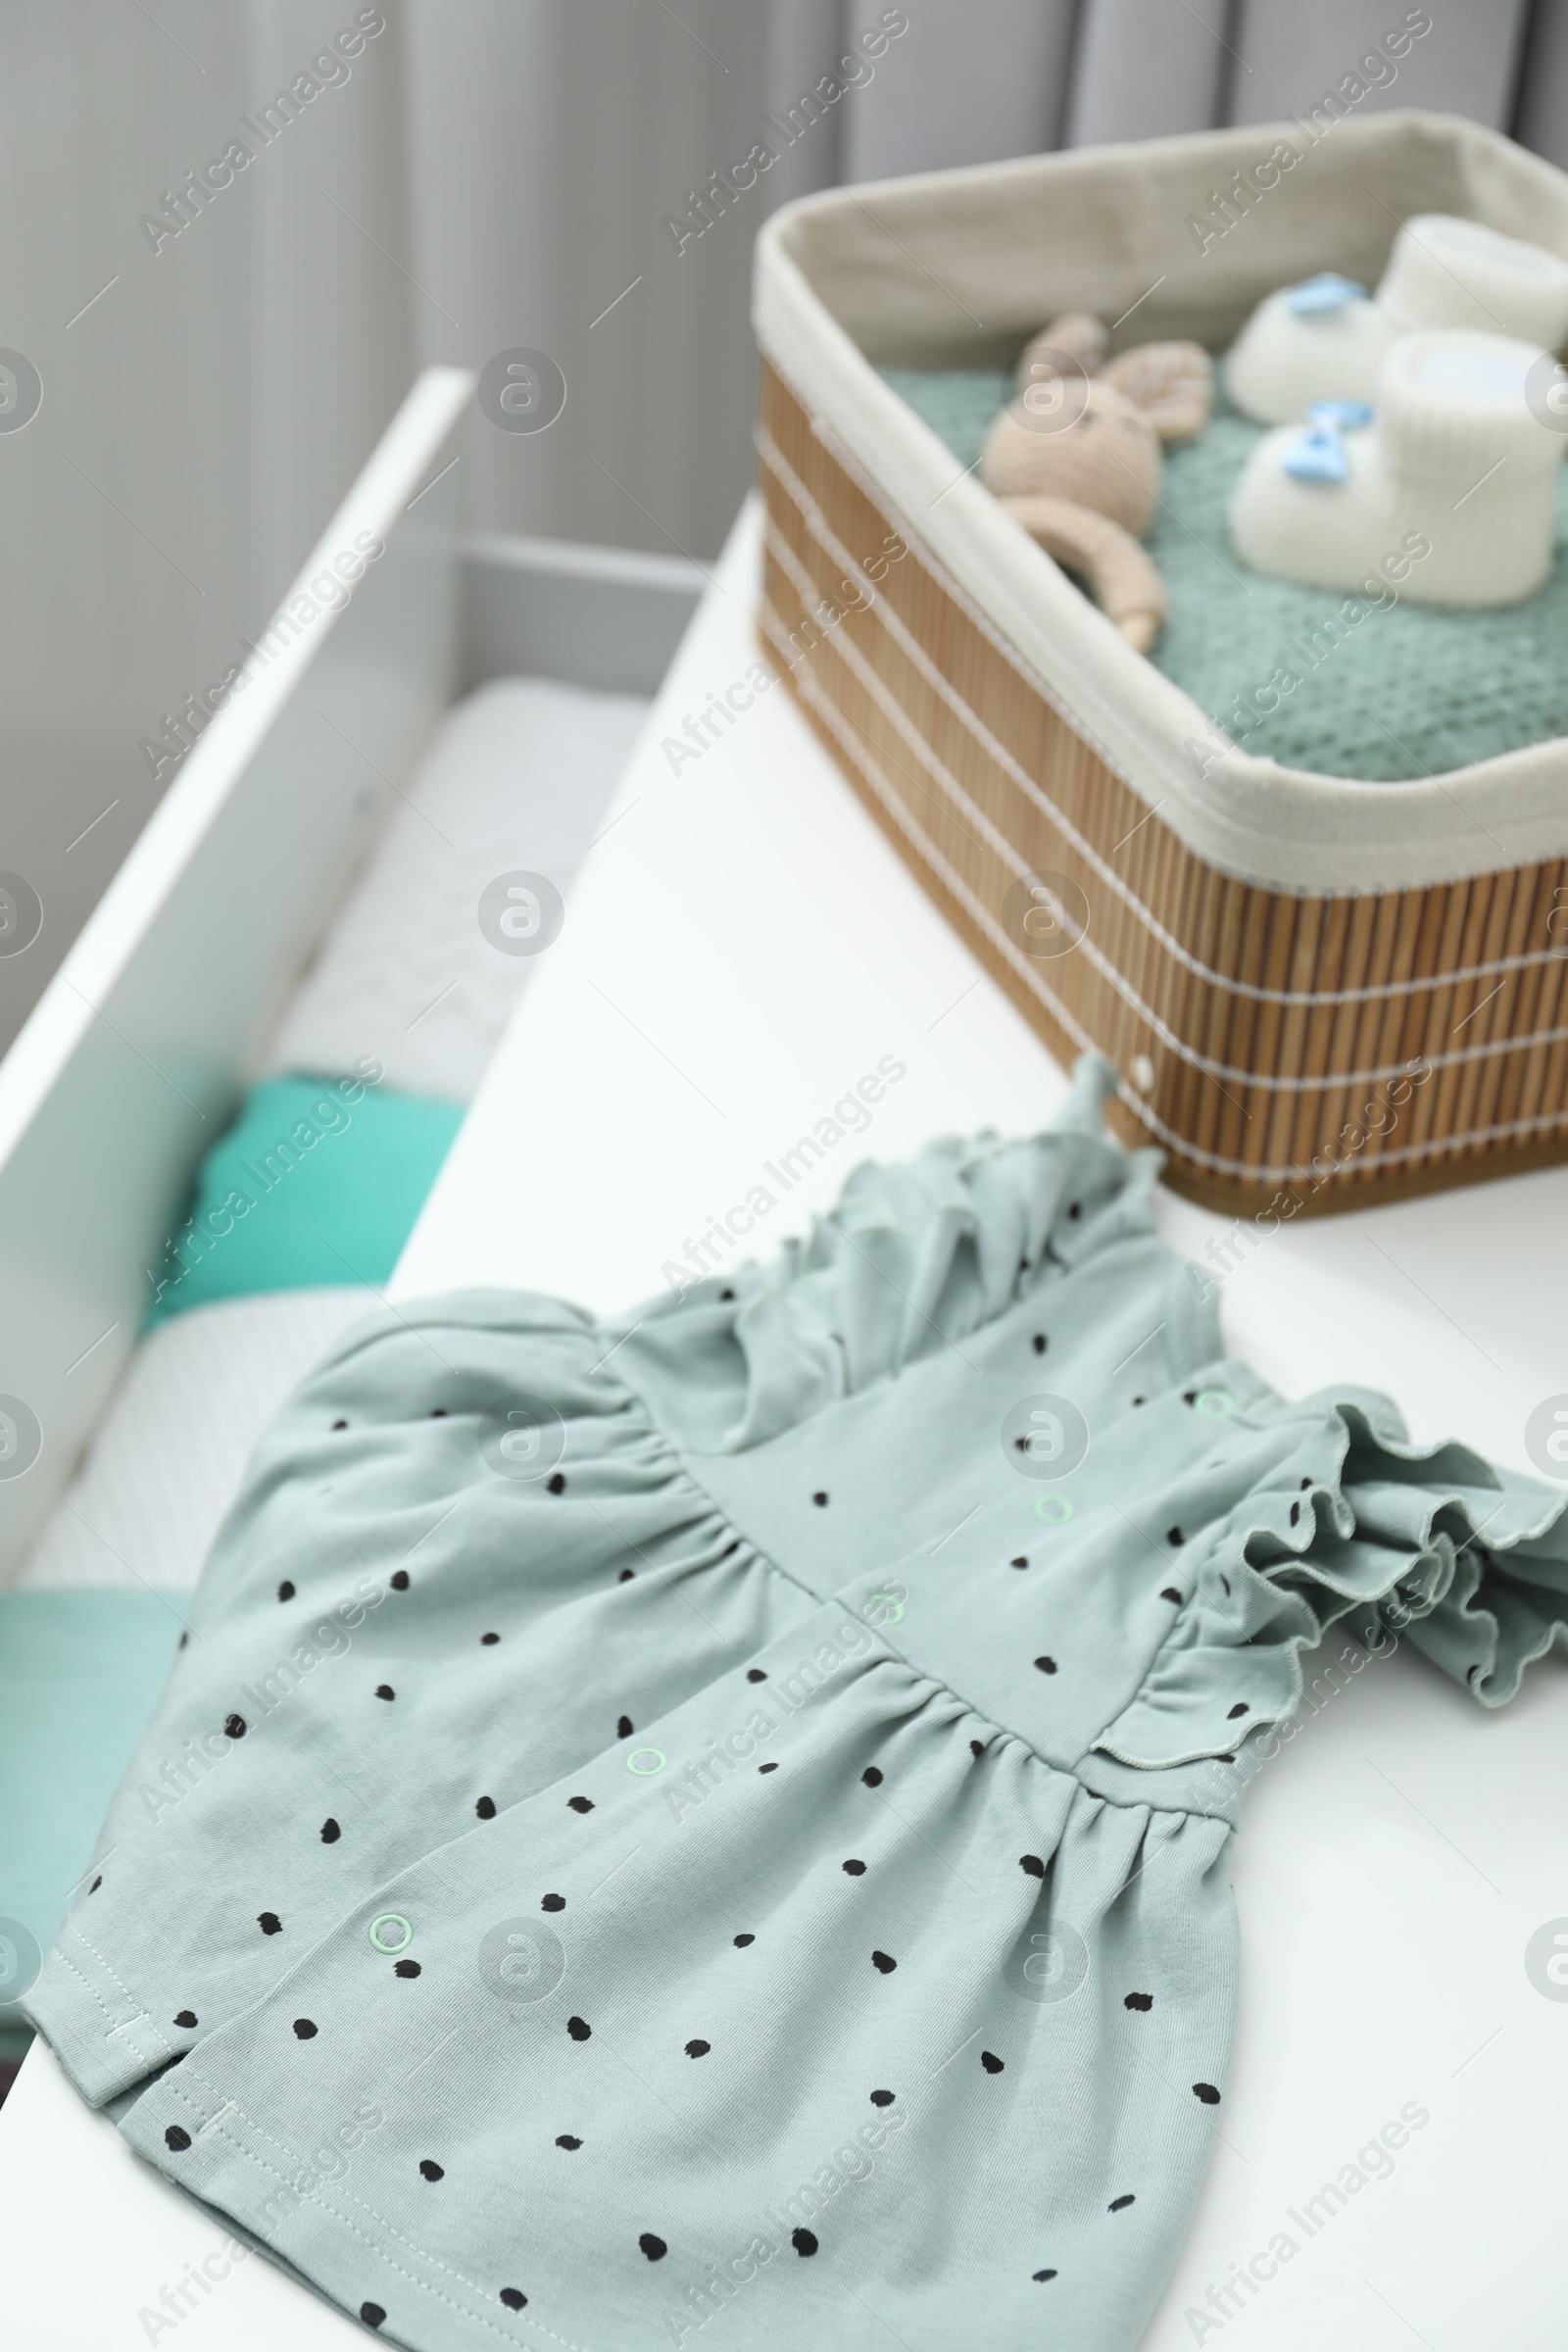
209	389
974	79
572	176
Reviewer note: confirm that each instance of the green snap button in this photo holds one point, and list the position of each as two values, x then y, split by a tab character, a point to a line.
645	1761
1053	1509
395	1921
1214	1403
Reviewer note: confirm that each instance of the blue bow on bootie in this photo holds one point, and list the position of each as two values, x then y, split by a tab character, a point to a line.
1328	291
1317	453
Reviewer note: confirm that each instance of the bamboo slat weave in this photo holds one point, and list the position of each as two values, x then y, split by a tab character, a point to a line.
1337	1048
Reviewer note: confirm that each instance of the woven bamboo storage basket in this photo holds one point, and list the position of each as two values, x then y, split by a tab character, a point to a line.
1337	990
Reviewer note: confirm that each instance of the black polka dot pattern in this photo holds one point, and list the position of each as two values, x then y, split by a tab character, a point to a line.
97	1883
449	1980
556	1484
339	1425
177	2138
370	2313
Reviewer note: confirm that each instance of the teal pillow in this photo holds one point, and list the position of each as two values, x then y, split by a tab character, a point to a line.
80	1671
319	1181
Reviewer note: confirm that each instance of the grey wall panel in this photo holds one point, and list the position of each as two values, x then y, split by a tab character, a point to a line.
965	84
1145	69
551	146
203	405
1287	56
1541	119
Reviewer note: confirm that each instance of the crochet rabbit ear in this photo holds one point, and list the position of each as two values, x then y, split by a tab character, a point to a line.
1075	337
1172	383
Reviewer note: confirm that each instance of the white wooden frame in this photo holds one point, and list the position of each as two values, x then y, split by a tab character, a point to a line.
139	1046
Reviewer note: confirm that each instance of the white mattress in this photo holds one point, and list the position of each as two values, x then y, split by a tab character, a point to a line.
517	780
171	1449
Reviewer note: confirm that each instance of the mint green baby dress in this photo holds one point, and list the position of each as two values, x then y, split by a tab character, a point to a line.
714	1829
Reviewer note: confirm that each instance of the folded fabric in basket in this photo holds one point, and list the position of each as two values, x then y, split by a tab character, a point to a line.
318	1183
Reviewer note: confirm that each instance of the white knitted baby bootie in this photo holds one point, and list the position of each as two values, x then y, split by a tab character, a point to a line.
1328	338
1447	487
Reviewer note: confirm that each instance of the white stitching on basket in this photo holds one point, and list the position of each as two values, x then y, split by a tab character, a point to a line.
1295	1083
816	523
1271	1172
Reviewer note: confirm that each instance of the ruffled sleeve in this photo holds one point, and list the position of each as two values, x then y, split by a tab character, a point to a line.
1492	1549
1356	1526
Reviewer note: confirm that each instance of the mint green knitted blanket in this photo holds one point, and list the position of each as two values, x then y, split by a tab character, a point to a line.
1407	691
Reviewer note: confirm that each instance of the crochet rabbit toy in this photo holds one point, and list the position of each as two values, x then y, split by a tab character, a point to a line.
1076	459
